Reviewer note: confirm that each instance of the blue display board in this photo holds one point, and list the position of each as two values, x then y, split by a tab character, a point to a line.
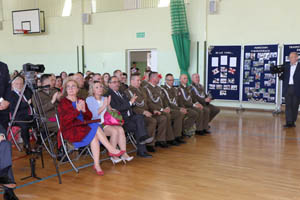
289	48
223	72
258	83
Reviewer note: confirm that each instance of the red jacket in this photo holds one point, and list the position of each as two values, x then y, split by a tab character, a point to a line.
72	128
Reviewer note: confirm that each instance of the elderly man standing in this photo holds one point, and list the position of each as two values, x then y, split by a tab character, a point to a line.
141	107
291	81
199	95
185	100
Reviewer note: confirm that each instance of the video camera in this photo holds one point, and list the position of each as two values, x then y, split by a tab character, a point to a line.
278	69
28	67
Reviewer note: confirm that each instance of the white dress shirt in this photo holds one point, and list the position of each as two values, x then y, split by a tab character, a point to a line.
292	72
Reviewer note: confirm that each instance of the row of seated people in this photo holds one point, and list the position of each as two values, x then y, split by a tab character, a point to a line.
158	116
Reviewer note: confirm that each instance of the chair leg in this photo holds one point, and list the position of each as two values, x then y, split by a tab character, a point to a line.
13	138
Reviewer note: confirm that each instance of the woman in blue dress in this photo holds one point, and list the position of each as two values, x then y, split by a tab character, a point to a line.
76	126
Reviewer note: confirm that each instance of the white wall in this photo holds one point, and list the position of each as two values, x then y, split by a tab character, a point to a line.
110	34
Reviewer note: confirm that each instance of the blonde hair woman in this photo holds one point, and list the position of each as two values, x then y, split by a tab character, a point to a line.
74	113
98	106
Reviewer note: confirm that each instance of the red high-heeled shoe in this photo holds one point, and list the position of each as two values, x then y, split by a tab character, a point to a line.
116	155
100	173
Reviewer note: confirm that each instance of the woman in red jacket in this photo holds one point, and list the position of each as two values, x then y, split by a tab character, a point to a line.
74	118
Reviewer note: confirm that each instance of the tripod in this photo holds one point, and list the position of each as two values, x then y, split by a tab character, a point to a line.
40	120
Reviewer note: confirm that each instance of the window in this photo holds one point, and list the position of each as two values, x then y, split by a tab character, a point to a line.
163	3
67	8
94	6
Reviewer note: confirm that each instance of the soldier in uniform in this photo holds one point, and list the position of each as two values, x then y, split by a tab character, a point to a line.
145	78
198	94
141	107
185	100
157	107
171	99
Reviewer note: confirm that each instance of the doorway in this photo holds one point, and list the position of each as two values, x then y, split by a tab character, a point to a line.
141	59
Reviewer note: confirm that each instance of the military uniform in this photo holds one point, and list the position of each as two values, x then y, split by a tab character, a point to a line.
171	99
48	108
156	103
83	93
198	94
140	106
185	100
144	83
123	87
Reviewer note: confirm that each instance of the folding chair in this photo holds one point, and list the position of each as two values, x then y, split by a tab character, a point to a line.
13	135
131	140
68	149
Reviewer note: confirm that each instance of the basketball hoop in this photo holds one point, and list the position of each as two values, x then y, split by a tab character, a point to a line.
21	31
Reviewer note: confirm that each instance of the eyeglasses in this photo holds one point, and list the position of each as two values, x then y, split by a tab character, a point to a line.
169	79
115	82
71	87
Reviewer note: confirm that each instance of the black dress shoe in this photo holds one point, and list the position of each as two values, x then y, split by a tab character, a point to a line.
9	195
144	155
150	148
146	139
206	131
173	143
161	144
200	133
180	141
289	125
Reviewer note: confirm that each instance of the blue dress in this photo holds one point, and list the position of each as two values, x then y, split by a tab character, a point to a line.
90	136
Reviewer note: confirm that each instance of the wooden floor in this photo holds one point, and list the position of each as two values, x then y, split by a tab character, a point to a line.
247	156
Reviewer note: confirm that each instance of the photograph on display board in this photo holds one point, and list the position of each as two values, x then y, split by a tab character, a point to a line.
223	72
259	84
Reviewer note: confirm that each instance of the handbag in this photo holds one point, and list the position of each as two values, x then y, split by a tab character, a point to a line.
113	118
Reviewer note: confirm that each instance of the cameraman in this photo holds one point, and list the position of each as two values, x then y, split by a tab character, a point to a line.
291	81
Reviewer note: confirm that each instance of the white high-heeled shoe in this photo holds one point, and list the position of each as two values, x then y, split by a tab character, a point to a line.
115	160
130	158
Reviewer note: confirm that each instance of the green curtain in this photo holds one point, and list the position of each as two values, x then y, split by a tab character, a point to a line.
180	35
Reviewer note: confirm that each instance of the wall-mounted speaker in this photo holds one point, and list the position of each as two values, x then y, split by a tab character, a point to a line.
213	7
86	18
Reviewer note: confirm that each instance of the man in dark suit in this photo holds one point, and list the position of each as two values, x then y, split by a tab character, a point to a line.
133	122
7	180
291	91
4	95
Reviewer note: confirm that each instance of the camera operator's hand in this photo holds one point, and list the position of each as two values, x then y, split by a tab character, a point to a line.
4	105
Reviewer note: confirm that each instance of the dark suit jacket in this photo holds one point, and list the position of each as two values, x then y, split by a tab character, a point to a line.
286	78
120	104
4	84
23	110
